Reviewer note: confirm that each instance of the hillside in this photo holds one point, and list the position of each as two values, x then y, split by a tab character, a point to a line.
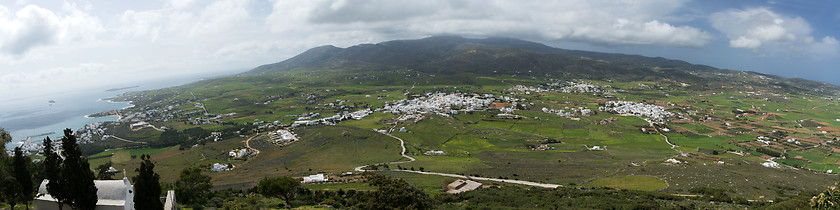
505	56
503	112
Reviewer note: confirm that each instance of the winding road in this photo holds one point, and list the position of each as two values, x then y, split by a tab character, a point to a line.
673	146
248	144
411	159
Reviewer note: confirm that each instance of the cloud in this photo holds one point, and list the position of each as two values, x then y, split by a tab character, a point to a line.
825	48
33	80
601	22
751	28
220	15
33	26
138	24
178	19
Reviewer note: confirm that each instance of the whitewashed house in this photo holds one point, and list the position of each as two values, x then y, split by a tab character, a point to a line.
112	194
315	178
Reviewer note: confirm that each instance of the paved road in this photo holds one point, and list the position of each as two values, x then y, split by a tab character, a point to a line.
535	184
411	159
122	139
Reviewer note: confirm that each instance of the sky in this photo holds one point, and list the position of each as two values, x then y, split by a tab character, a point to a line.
54	46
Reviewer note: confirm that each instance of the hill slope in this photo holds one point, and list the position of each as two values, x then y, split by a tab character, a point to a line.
493	56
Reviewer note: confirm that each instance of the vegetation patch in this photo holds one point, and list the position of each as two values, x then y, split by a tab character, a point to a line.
643	183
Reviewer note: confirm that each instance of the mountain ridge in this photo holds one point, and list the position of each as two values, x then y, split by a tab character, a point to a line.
500	55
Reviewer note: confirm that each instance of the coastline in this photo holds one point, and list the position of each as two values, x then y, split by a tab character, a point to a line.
117	114
83	103
74	123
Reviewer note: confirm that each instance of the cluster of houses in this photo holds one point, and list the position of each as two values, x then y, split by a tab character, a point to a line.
240	153
563	87
306	116
357	115
771	164
542	147
528	89
29	147
283	136
580	87
85	135
438	103
569	112
217	167
657	113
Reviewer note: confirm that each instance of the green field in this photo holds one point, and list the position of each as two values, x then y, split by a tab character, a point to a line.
478	143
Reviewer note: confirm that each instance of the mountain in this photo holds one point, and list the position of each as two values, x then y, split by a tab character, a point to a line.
454	54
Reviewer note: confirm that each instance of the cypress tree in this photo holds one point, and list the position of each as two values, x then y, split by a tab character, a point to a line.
52	168
23	178
9	189
147	185
76	175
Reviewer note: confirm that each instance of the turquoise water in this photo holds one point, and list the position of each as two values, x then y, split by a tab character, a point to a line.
25	116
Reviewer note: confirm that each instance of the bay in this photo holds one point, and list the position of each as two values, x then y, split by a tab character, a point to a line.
50	114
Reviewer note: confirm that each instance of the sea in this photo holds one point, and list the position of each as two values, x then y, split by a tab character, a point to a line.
39	116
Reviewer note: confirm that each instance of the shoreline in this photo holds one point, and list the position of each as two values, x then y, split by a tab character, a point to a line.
46	129
110	100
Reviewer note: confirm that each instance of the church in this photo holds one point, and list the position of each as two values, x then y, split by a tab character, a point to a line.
112	194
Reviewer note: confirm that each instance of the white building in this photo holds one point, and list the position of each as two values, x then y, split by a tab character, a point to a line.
221	167
112	194
315	178
459	186
770	164
434	152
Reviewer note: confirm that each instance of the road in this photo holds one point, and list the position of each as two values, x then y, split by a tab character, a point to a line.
122	139
248	144
411	159
673	146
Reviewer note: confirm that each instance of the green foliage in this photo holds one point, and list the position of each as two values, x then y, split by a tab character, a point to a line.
280	187
186	138
9	189
16	180
23	177
5	137
76	178
147	186
102	172
192	186
52	169
828	199
643	183
395	194
768	151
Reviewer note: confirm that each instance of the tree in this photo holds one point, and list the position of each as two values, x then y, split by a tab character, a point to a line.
9	189
829	199
396	194
52	168
192	186
23	178
76	176
147	185
279	187
102	172
5	137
